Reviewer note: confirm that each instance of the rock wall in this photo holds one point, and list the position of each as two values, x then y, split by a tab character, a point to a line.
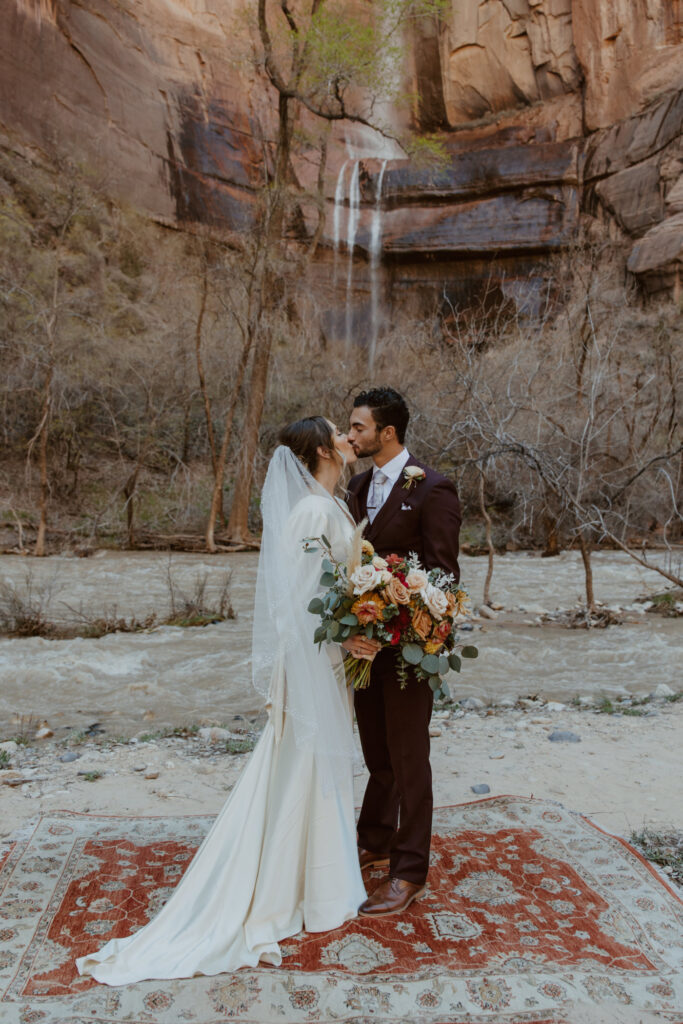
554	112
630	52
143	89
620	54
500	53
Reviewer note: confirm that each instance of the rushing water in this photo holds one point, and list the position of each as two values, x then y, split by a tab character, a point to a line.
136	681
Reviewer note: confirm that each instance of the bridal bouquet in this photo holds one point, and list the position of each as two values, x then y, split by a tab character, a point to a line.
395	601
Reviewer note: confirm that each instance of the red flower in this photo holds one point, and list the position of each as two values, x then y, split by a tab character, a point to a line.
403	618
393	559
399	624
442	631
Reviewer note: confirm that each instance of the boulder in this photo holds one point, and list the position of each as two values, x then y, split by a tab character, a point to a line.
660	248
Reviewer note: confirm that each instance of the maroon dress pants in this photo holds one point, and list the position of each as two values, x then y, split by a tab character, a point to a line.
396	816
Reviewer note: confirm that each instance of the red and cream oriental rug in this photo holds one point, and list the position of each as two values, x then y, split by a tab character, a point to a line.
531	910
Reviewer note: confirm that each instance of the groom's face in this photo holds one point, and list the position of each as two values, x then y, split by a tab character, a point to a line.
364	434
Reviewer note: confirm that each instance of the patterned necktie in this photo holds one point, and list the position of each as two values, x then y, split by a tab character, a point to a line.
376	493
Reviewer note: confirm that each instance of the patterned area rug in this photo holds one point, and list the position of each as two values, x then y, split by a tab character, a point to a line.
530	909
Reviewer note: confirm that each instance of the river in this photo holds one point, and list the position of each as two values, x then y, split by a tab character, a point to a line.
132	682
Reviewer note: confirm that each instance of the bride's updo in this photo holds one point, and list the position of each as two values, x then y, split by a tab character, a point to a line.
304	437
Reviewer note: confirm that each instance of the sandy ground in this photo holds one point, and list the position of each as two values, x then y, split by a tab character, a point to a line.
624	773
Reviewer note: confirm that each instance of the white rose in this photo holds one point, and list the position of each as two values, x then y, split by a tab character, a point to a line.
380	563
364	578
436	601
413	473
385	577
416	580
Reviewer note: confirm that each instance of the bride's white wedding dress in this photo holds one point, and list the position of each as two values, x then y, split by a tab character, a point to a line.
281	854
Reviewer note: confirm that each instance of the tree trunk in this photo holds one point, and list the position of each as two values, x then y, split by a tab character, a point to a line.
44	492
129	494
200	372
552	537
585	547
205	395
43	438
489	538
238	524
217	497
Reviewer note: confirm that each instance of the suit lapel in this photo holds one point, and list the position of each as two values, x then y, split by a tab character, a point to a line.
392	504
359	495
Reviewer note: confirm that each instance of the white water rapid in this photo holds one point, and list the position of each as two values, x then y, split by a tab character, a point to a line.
169	676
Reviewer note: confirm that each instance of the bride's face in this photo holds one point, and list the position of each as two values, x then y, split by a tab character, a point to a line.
343	445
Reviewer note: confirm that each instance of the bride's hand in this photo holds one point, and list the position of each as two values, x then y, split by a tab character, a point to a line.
361	647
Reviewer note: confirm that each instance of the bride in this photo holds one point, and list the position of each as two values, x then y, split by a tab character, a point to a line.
282	853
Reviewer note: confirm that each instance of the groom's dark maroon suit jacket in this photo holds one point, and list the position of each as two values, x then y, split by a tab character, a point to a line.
424	519
396	816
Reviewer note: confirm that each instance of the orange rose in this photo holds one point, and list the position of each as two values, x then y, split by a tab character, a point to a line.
452	603
396	593
368	608
422	623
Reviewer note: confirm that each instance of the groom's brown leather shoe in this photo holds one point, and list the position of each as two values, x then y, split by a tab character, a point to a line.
391	896
368	859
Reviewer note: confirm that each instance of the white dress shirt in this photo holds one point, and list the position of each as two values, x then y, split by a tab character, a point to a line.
392	471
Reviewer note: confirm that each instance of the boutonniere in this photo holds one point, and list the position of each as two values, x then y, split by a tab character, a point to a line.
413	475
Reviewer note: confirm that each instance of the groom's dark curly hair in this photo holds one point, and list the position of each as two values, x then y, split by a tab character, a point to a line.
388	409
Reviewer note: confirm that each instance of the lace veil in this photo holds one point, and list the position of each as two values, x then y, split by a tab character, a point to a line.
288	668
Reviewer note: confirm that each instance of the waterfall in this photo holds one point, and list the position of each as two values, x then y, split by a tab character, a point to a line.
338	203
352	226
375	254
336	223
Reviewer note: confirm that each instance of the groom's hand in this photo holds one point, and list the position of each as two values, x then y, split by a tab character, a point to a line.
361	647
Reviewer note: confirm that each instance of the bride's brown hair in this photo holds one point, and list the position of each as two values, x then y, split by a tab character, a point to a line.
304	437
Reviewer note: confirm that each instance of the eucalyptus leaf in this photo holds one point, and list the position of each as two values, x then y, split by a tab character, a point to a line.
412	654
320	634
333	630
455	662
445	689
435	684
349	619
470	652
327	579
443	664
327	565
346	632
369	630
316	607
430	664
325	540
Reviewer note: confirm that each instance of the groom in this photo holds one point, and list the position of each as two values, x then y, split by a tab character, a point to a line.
395	821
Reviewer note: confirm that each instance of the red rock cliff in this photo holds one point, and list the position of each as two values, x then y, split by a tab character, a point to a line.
552	110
